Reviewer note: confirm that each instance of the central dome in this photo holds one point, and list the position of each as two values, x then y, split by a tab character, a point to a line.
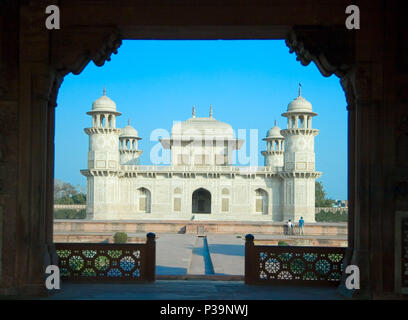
202	127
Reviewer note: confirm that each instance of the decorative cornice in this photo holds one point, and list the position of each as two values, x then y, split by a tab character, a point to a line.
94	130
100	173
272	152
139	152
299	131
300	174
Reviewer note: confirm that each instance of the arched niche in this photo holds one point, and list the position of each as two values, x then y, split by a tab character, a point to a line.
201	201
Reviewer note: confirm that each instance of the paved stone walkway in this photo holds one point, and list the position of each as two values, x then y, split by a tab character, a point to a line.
191	290
181	254
227	254
173	253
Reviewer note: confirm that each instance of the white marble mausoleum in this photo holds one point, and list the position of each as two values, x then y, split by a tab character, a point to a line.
201	183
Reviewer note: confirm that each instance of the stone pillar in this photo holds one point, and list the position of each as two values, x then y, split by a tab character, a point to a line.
27	237
9	151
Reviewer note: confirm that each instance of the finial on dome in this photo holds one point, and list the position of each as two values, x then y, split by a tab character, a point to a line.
300	86
275	123
128	121
193	111
210	111
104	91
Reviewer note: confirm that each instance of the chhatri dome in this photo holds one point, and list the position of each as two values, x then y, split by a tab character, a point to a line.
202	127
129	132
300	105
274	132
104	104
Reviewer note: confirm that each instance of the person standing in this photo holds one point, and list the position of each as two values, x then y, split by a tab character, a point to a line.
290	227
301	224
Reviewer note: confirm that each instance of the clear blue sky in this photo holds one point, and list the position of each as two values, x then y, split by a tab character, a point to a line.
248	82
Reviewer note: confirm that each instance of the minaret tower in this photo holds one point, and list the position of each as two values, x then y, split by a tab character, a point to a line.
103	159
299	161
274	147
128	146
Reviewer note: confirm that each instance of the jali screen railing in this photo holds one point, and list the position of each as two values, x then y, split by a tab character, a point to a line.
108	261
292	265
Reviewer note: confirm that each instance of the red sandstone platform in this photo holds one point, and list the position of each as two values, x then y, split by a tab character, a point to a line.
195	227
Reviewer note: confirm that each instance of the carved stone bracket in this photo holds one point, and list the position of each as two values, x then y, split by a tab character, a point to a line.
356	84
72	50
110	45
328	47
347	83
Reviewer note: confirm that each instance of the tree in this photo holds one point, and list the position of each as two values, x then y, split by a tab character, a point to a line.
320	196
79	198
66	193
328	216
63	189
120	237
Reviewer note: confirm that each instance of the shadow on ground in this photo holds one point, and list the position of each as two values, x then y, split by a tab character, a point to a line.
170	271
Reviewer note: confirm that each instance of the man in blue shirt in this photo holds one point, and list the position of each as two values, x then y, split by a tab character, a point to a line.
301	224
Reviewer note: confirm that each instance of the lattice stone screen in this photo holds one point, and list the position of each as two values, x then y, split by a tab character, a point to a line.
292	264
107	261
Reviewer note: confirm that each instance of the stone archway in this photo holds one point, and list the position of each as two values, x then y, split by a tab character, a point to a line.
370	62
201	201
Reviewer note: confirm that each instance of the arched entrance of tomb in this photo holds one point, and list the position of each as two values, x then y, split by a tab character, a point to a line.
201	200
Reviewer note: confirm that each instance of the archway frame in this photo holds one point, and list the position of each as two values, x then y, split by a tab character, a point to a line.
200	189
38	59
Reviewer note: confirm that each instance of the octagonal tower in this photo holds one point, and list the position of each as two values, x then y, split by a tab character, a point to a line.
299	173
